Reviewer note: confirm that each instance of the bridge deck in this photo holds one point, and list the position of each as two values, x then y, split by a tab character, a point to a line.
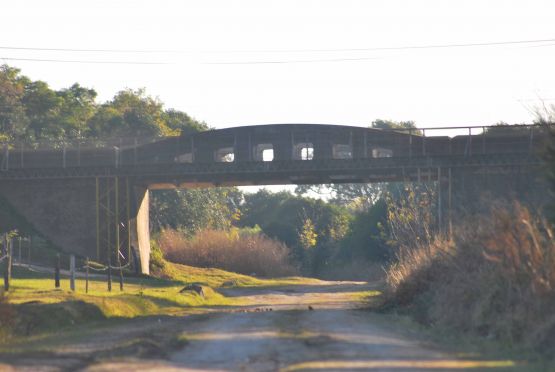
289	172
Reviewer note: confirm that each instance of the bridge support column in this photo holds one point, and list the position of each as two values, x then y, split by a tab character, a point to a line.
140	229
122	228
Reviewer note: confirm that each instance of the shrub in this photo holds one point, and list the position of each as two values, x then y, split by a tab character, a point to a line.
245	253
157	262
496	279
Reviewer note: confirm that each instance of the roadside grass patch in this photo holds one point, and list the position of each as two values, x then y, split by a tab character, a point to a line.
495	279
34	306
215	278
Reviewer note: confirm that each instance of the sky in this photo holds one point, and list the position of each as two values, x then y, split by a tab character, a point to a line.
347	62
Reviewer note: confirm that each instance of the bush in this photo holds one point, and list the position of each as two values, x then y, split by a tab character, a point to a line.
495	279
157	262
246	253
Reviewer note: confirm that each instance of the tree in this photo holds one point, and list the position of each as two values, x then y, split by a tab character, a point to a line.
366	238
355	196
42	105
299	222
130	113
392	124
179	122
13	121
77	108
307	235
194	209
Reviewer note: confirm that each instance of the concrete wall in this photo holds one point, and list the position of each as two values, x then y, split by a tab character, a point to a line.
64	212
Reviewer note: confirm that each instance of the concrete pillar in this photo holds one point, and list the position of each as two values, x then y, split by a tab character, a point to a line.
140	229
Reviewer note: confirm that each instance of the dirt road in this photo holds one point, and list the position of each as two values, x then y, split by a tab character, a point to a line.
290	328
279	332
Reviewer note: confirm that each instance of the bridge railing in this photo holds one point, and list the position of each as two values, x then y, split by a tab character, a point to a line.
66	153
405	142
475	140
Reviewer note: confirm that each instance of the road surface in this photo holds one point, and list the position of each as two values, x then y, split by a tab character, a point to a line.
295	328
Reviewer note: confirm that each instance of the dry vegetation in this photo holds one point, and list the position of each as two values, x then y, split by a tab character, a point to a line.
496	278
228	250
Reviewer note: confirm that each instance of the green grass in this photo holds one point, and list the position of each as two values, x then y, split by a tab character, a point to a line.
140	297
47	318
218	278
41	309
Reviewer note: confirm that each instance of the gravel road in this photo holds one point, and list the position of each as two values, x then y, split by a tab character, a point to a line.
280	332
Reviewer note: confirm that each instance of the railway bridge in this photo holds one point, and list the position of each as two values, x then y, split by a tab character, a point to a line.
91	198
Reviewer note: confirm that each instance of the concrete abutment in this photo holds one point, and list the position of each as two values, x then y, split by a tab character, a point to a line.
102	218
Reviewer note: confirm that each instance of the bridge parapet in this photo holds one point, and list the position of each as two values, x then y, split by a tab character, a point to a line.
279	142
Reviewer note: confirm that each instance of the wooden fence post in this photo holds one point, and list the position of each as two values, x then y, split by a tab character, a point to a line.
72	272
57	272
29	251
87	275
8	264
19	253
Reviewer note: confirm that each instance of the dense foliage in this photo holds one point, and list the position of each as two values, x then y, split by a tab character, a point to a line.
31	110
190	211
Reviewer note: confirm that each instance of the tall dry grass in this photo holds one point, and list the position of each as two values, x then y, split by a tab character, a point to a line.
251	253
496	278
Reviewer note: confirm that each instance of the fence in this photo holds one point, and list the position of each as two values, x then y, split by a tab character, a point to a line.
17	251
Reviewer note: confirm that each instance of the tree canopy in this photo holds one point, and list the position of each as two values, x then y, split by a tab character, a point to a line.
31	110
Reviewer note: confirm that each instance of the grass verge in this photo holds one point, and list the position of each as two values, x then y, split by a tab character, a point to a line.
33	306
495	280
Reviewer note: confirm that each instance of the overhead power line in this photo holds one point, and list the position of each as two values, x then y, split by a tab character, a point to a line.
82	50
291	61
82	61
534	43
430	46
402	47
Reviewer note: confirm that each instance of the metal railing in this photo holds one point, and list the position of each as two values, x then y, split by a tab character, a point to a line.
401	142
